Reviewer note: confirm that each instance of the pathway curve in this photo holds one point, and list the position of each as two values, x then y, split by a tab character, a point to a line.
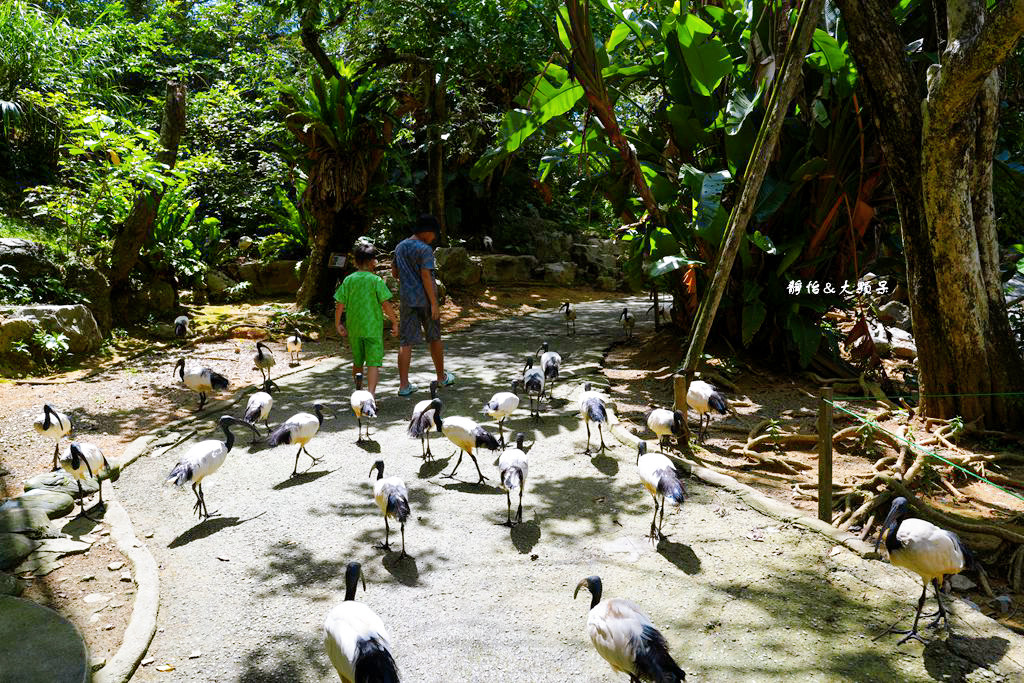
739	596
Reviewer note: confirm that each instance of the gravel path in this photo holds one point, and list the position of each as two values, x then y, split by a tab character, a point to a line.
738	596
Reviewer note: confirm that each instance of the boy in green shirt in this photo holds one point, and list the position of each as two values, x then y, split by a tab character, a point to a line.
365	296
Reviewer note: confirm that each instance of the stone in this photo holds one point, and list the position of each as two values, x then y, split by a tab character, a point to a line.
55	503
158	296
14	329
75	321
217	282
39	564
961	583
245	243
10	585
903	348
551	247
14	548
96	598
1004	603
46	646
126	577
506	268
63	546
114	566
456	268
62	482
97	663
896	314
560	273
28	258
31	522
93	285
271	279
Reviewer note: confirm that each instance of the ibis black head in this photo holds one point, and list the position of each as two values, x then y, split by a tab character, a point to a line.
519	441
179	366
677	422
593	584
641	449
529	363
436	405
517	386
433	388
353	573
260	346
359	381
379	466
76	454
586	386
897	513
625	312
47	412
318	408
543	348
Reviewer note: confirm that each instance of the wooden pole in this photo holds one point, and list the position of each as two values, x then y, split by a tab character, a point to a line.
825	455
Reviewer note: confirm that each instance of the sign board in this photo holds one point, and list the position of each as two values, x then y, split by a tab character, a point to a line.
337	260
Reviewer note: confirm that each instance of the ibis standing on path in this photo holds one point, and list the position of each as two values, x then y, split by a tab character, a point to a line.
514	466
300	428
258	408
665	423
533	384
570	317
502	405
926	550
294	346
83	460
356	641
363	405
424	414
181	326
202	460
201	380
627	639
53	425
592	409
264	360
467	435
550	361
393	500
703	398
628	322
658	475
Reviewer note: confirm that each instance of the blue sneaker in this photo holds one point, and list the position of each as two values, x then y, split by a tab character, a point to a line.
409	390
449	379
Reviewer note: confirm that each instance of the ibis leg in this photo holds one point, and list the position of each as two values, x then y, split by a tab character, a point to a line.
199	502
295	470
912	633
386	545
508	517
482	477
202	400
403	541
519	511
661	518
586	452
451	475
600	433
942	610
306	451
359	439
654	519
501	433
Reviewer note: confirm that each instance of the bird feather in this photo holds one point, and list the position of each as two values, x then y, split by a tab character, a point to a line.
374	663
653	660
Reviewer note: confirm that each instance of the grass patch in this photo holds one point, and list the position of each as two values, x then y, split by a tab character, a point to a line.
22	229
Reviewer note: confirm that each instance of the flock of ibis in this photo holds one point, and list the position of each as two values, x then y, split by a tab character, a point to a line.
356	640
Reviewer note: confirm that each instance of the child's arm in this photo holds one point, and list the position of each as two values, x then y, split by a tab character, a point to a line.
428	287
389	311
394	269
338	310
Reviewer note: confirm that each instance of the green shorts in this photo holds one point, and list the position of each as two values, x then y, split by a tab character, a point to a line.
367	351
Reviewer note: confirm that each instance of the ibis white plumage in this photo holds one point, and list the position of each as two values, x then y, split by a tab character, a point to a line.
53	425
264	360
513	466
201	380
82	460
665	423
393	500
550	362
501	406
425	414
533	384
592	409
293	344
468	436
202	460
570	317
258	408
363	405
658	475
181	326
628	322
925	549
704	398
627	639
356	640
300	428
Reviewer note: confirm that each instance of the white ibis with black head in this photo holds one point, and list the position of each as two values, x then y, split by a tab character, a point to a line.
181	326
570	317
592	409
468	436
258	408
202	460
356	641
550	362
393	500
501	406
627	639
82	460
264	360
704	398
425	414
658	475
293	345
628	322
300	428
363	405
513	466
926	550
665	423
533	384
201	380
53	425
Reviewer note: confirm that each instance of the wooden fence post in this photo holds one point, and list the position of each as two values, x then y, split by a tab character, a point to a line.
825	455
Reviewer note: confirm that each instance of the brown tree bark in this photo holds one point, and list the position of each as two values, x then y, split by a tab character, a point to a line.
938	142
137	227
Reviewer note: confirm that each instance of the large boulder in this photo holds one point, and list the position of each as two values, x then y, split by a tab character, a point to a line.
61	482
456	268
91	283
505	268
14	548
53	503
560	273
156	296
31	522
76	322
896	314
551	247
271	279
14	329
217	283
28	258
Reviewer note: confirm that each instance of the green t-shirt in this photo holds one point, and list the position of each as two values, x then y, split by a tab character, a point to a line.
362	292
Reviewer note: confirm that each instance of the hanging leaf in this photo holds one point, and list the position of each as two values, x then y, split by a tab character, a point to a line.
762	241
753	317
670	263
706	57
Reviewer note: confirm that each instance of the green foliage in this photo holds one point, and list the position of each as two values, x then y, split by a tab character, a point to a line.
289	234
48	290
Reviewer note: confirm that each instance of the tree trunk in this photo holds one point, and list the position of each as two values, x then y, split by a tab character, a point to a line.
437	103
335	236
939	155
138	226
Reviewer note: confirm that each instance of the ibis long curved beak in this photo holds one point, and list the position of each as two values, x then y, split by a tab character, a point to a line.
885	527
582	584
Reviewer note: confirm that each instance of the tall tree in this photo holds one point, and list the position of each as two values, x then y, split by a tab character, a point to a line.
939	136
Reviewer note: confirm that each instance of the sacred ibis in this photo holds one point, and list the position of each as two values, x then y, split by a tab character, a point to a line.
393	500
468	436
53	425
533	384
550	361
704	398
294	346
926	550
83	460
363	405
664	422
592	409
181	326
264	360
300	428
424	414
201	380
628	322
356	641
501	406
202	460
627	639
258	408
658	475
570	317
514	466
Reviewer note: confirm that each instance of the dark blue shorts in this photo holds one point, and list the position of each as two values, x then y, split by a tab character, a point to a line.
415	323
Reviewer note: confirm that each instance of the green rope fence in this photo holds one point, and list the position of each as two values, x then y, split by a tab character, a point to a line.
921	449
919	396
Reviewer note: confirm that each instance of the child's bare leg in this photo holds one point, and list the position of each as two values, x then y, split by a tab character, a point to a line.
437	355
404	360
372	374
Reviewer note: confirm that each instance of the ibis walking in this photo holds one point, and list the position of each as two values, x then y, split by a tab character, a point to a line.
201	380
202	460
550	362
501	406
264	360
628	322
363	405
570	317
665	423
181	326
592	409
468	436
82	460
300	428
424	414
658	476
533	384
393	500
514	466
258	408
704	398
293	344
356	641
53	425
